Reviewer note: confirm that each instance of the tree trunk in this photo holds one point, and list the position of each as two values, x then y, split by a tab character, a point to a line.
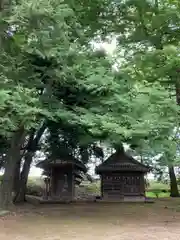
20	194
173	182
31	149
17	176
1	163
6	199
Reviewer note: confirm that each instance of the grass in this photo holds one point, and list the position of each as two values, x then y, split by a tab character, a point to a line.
158	189
160	195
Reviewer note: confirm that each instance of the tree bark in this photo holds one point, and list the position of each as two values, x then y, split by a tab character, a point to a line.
17	175
173	182
20	194
6	199
1	162
31	149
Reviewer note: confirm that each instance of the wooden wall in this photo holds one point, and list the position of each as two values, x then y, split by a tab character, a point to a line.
117	185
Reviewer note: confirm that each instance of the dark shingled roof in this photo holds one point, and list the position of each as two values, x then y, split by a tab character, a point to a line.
59	162
121	161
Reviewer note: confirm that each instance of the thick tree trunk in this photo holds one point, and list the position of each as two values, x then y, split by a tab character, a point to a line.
1	164
20	196
31	149
6	199
17	176
173	182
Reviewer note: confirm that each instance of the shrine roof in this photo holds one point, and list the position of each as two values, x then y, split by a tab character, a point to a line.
121	161
62	163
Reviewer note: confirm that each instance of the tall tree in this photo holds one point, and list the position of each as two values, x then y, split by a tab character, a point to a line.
31	28
151	30
29	153
72	85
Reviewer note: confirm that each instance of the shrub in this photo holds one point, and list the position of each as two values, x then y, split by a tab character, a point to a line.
35	187
34	190
158	192
92	188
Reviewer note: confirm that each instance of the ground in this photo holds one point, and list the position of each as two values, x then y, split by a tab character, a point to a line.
97	221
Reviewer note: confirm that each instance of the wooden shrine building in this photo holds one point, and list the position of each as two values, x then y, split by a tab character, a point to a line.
61	177
122	177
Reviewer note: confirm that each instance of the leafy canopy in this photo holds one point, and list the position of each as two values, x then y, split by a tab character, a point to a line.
47	73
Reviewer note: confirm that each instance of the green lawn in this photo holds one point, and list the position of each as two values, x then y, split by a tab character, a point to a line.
160	195
155	189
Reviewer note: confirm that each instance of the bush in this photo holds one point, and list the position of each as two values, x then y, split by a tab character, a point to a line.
157	185
158	192
93	188
34	190
35	187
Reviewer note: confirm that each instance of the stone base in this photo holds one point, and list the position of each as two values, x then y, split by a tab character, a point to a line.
126	199
136	199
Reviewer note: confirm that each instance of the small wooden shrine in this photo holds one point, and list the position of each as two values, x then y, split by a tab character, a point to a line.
122	177
61	177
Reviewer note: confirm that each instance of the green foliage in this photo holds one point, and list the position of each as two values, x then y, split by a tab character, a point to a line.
154	22
149	36
35	187
158	189
157	185
91	188
21	102
47	72
45	30
157	194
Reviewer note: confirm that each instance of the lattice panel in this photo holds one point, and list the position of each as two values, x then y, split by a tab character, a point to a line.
115	184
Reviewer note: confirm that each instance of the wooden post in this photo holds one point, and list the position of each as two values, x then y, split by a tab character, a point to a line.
51	184
72	184
45	195
142	185
101	178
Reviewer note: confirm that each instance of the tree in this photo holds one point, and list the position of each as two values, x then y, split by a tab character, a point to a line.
23	36
25	100
29	153
48	75
151	30
43	30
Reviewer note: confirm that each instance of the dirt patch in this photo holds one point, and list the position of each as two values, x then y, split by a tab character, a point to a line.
98	221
